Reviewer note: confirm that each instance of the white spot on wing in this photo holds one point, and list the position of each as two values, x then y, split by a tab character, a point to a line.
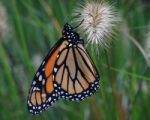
49	99
43	63
31	111
40	78
79	95
29	104
34	88
43	82
55	69
37	89
37	74
70	45
43	105
34	82
55	85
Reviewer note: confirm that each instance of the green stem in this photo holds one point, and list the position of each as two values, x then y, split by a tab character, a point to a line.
26	58
9	80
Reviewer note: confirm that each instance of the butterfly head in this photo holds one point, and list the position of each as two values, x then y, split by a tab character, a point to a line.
68	32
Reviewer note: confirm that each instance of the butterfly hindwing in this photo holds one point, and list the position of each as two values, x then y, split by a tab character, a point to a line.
76	76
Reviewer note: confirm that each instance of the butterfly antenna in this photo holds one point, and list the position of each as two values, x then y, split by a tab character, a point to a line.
78	24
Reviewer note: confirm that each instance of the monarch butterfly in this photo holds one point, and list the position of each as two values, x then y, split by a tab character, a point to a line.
66	72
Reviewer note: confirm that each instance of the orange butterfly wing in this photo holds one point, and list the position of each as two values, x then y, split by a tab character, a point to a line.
43	92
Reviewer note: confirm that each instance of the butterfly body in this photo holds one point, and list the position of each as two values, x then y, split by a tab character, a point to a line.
66	72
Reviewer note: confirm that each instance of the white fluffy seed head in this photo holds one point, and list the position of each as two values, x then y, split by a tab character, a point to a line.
100	19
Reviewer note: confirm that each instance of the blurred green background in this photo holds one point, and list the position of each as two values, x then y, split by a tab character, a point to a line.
29	28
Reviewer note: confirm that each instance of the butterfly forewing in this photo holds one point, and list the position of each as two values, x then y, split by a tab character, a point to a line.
43	92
